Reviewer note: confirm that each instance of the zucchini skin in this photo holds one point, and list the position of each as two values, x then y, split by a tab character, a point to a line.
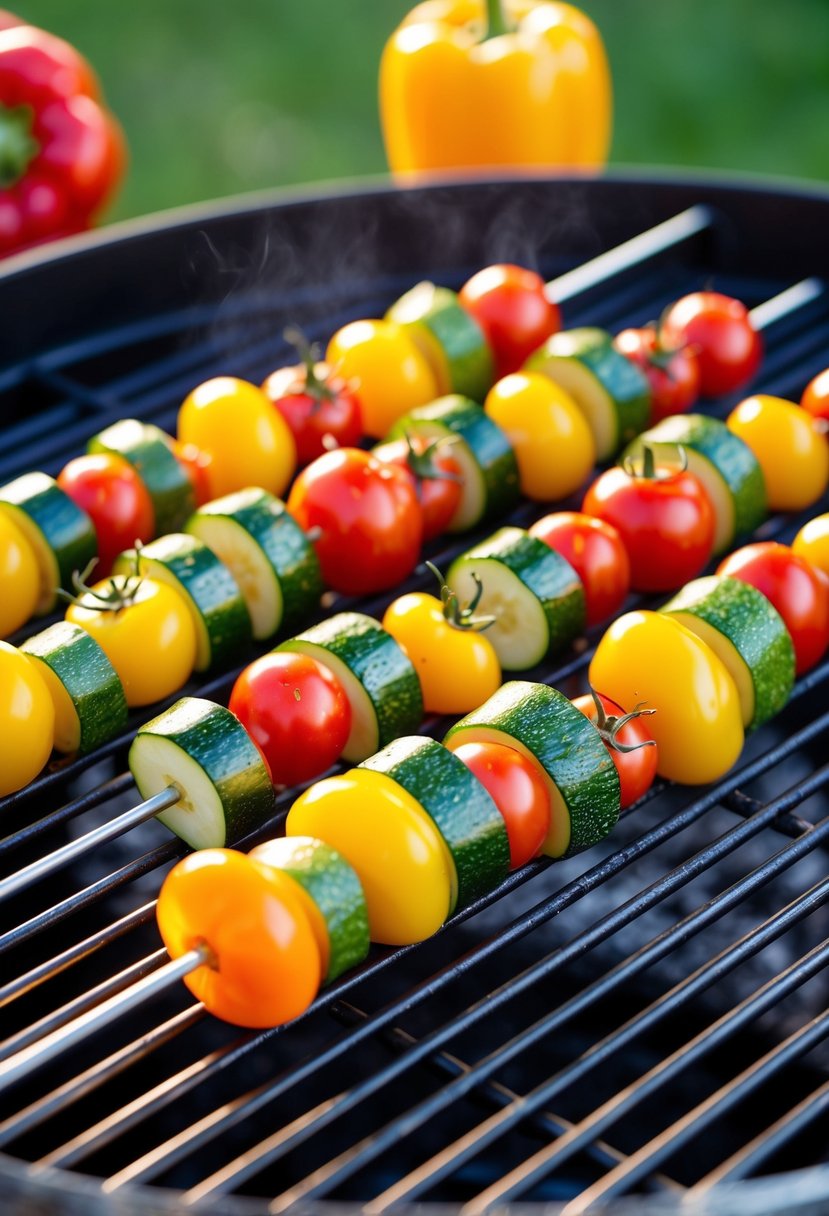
67	530
147	449
567	746
89	678
234	766
463	811
378	662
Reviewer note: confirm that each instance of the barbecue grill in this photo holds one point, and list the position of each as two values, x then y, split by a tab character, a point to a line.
642	1026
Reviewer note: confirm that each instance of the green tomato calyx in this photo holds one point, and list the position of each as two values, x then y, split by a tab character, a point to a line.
456	615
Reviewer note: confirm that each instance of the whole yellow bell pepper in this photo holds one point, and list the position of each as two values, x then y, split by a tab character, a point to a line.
467	84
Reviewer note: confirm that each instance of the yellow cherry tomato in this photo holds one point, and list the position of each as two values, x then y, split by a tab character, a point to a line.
27	720
402	861
150	640
264	967
812	543
386	369
651	659
553	443
19	577
457	666
790	449
247	440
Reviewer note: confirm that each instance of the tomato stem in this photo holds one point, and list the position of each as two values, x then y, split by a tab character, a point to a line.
310	354
422	463
113	598
609	725
456	616
645	467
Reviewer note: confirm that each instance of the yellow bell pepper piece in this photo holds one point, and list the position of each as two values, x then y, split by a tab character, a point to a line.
464	85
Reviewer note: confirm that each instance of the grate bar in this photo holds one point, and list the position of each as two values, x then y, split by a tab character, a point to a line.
540	1164
110	830
448	1160
797	296
643	1160
84	802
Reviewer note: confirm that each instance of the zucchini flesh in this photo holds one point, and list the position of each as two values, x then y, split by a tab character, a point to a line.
489	469
449	338
148	450
211	593
61	535
544	726
534	594
268	554
378	679
463	810
203	749
333	890
89	700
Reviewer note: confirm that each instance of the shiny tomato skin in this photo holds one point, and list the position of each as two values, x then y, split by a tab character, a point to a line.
815	397
666	524
517	789
370	522
728	347
438	495
386	368
597	553
673	375
296	712
318	421
511	306
115	498
636	769
196	465
798	591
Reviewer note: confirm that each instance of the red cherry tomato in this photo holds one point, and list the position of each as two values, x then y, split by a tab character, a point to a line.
368	517
196	465
798	591
596	552
664	519
728	347
815	397
115	498
296	712
673	374
511	306
631	746
317	405
519	792
435	474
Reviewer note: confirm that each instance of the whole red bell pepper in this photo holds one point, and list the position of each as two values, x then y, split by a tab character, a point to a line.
61	150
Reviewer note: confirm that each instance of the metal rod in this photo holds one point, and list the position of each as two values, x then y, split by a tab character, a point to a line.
630	253
65	1038
51	862
788	301
84	802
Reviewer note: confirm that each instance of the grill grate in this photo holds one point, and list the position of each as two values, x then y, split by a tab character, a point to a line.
647	1018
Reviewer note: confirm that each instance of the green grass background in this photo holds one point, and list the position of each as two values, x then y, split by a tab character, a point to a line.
219	98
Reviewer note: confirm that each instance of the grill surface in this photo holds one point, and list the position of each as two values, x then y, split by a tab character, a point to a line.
645	1020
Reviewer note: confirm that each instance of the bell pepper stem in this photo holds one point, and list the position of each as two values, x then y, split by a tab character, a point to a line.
496	22
18	147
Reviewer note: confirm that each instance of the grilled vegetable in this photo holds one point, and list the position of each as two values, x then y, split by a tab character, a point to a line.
87	694
532	592
60	533
210	591
150	452
450	339
488	466
333	897
204	751
27	719
790	446
580	776
268	554
611	392
387	364
19	577
379	680
518	788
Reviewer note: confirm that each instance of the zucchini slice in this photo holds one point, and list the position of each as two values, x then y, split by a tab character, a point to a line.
60	533
90	706
268	554
203	749
449	338
489	470
332	895
464	812
728	469
611	392
148	450
378	677
544	726
210	591
534	594
747	633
